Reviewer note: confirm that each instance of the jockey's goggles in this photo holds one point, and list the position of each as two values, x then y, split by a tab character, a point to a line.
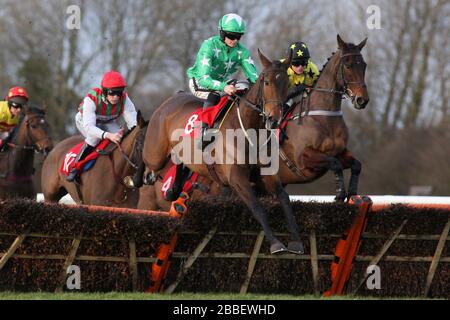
298	63
15	105
114	92
233	36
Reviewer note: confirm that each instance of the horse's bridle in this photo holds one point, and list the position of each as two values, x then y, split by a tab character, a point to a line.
32	147
259	105
346	92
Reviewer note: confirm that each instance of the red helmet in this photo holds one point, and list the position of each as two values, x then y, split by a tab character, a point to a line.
17	92
113	79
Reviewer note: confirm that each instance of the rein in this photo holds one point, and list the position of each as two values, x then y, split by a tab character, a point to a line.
346	93
259	98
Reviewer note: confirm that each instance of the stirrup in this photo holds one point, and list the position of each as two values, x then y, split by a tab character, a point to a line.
72	175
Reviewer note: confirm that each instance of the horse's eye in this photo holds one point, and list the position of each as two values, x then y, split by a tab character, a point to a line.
33	126
266	83
348	66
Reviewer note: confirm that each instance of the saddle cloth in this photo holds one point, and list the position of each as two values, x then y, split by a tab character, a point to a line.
169	179
85	164
210	116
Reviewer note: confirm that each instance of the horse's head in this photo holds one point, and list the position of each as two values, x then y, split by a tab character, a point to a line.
35	130
139	140
351	72
272	89
133	142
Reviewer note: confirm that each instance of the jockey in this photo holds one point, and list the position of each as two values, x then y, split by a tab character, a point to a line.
98	115
302	73
10	110
218	58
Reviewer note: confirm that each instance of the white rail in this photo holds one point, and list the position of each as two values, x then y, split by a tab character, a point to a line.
376	199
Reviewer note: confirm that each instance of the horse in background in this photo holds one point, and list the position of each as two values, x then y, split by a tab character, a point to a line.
30	136
104	183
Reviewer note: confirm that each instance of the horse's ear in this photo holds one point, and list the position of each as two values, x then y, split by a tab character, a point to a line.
362	44
25	109
288	61
44	107
264	60
341	43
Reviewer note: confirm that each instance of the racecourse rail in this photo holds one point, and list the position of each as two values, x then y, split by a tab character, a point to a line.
378	200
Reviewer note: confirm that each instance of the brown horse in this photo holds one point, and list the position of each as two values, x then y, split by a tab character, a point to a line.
31	135
260	108
318	142
103	184
317	134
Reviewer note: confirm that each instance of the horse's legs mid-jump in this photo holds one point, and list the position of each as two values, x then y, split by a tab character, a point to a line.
243	188
315	159
348	161
273	186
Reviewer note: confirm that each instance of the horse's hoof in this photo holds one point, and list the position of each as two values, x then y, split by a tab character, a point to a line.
350	195
296	247
340	198
277	248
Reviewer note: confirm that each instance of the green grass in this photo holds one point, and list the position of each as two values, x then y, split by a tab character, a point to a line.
178	296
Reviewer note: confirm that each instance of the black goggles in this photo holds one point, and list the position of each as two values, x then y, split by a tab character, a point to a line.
300	63
15	105
114	92
233	36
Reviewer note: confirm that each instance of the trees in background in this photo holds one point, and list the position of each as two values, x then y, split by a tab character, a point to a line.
154	42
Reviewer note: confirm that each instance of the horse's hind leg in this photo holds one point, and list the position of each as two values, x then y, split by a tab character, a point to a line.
348	161
240	183
315	159
273	185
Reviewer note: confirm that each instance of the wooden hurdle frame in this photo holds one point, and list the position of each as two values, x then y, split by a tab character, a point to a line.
166	252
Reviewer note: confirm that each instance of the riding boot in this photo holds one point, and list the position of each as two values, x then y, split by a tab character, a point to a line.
85	150
203	143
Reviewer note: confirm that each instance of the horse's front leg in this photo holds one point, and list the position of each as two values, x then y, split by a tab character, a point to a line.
348	161
336	166
240	183
273	185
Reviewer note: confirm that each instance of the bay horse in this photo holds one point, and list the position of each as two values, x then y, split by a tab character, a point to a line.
318	142
103	184
316	131
32	134
259	108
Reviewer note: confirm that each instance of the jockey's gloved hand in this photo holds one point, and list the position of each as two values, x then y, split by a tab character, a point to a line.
296	91
115	137
230	89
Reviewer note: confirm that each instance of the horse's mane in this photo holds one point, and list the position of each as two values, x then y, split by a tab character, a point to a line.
350	46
